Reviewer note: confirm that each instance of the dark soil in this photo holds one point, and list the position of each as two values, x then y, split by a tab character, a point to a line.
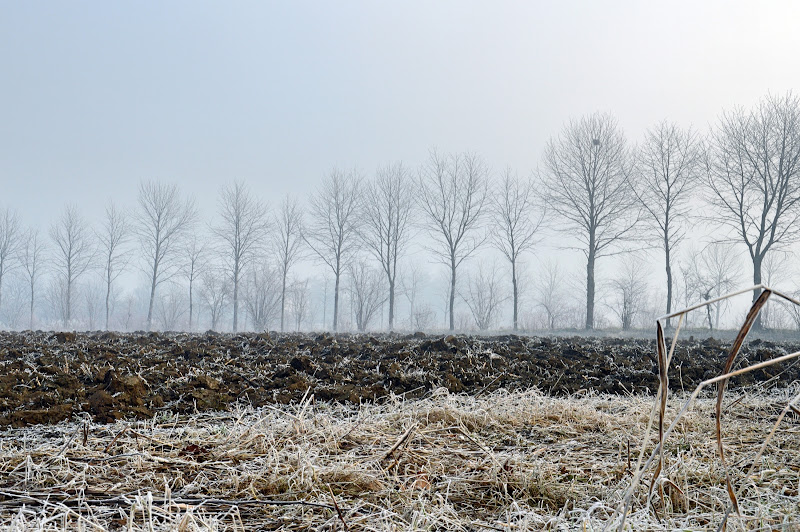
46	377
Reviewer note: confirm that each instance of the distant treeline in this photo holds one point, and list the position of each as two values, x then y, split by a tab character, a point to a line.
369	238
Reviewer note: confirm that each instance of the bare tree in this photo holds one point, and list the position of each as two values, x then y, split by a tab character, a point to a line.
194	266
387	208
170	308
442	284
776	270
710	273
9	244
112	237
262	295
300	302
452	194
723	273
550	293
32	257
366	292
288	244
589	185
162	222
515	226
410	284
16	297
670	166
55	295
793	311
92	301
333	229
629	289
423	317
484	296
242	233
216	289
753	167
73	256
130	308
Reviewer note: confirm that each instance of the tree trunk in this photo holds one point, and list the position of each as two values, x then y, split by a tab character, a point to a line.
757	259
236	297
108	293
31	320
514	284
411	324
590	287
336	302
152	298
452	292
707	296
669	279
283	297
391	305
191	303
67	314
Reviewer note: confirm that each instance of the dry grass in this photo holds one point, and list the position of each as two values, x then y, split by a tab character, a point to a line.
506	461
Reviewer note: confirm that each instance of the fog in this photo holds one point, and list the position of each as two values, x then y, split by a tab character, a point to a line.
98	99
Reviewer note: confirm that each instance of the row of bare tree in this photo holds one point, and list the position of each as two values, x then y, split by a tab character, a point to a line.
744	176
604	194
162	235
347	217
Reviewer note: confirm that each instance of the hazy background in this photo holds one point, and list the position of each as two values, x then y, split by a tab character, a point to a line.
97	96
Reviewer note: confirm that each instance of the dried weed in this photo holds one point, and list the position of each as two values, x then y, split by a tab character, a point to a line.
504	461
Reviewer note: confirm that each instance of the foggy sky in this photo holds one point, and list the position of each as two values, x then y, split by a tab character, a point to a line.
97	96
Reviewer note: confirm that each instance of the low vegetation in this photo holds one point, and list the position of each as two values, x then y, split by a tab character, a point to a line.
501	461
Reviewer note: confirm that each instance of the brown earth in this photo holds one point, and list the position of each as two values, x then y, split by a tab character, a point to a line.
47	377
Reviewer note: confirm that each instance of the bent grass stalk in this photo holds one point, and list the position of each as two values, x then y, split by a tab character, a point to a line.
620	514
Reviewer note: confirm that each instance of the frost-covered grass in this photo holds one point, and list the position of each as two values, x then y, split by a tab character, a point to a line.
505	461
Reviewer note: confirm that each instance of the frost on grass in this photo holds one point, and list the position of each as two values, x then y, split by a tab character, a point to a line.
505	461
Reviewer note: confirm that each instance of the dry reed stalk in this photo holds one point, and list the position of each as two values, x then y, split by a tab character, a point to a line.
620	515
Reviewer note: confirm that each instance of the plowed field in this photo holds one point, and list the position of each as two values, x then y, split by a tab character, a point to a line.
46	377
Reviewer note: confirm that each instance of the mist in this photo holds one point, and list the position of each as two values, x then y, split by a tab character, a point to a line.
278	99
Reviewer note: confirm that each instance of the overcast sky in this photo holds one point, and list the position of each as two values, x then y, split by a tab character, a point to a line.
99	95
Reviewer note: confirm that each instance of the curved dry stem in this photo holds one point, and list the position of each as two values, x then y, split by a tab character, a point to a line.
664	361
752	314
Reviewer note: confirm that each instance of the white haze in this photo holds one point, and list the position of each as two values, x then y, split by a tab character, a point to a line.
99	96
